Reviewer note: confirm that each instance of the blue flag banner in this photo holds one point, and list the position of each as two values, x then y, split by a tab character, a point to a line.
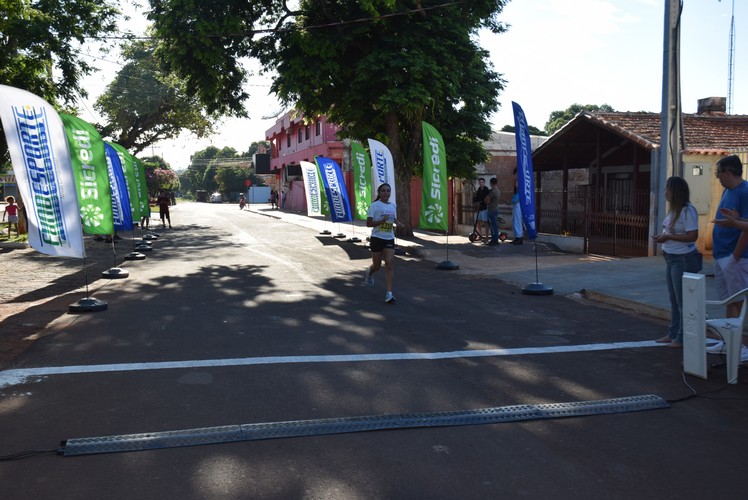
525	179
121	211
337	196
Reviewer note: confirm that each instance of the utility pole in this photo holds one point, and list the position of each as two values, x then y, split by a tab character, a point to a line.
671	125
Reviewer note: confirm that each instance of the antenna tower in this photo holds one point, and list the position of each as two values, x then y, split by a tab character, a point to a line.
731	61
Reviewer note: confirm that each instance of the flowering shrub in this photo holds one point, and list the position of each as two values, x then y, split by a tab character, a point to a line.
160	179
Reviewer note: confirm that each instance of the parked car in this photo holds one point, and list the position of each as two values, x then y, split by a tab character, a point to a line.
216	198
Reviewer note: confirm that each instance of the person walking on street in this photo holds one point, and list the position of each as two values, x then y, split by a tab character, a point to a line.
680	232
11	210
482	217
730	244
492	204
381	218
163	202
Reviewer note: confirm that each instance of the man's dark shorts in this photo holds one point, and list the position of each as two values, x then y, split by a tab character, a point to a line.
379	244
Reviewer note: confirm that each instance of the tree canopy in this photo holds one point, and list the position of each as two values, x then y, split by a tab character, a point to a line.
373	67
558	119
159	176
530	128
144	105
40	41
223	170
39	47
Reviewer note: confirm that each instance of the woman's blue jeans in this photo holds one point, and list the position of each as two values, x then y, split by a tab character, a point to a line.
675	265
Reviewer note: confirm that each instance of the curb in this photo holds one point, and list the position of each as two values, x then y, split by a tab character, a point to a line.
629	305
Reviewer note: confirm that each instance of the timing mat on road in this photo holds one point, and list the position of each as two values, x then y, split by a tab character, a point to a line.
326	426
20	376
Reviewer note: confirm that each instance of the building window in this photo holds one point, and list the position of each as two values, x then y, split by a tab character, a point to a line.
301	135
317	128
307	132
288	140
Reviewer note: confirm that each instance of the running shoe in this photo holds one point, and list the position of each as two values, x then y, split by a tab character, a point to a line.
389	298
369	279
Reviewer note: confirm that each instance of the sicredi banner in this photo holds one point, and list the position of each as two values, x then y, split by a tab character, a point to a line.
382	168
88	159
131	179
41	163
311	188
337	196
525	179
121	211
361	180
434	207
142	186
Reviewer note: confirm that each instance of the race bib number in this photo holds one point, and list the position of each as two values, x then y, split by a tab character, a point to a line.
386	227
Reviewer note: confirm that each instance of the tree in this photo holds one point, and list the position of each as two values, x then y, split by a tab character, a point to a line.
39	42
558	119
255	146
377	78
159	176
204	165
144	105
533	130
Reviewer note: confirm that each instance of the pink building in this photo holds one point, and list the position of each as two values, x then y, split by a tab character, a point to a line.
294	139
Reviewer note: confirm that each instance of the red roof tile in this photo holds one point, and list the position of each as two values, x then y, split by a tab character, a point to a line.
704	134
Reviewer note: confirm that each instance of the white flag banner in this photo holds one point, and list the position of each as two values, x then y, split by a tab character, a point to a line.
382	169
41	161
311	188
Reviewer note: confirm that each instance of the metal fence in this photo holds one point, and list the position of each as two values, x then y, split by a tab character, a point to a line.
611	221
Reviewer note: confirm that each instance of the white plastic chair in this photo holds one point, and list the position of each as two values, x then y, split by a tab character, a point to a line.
731	331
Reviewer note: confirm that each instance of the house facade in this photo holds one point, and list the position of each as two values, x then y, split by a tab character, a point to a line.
294	139
598	176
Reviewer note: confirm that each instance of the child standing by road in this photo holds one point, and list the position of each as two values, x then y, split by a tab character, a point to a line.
11	210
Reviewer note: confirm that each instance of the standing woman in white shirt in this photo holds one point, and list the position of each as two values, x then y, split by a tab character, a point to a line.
678	239
382	217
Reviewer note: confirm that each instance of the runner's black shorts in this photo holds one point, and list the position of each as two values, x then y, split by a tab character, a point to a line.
379	244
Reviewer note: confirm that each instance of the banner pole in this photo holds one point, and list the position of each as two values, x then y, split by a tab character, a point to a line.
114	272
88	304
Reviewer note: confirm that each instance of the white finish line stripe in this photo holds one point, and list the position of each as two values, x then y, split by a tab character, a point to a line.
19	376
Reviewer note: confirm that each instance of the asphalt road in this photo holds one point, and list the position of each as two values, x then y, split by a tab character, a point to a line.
254	314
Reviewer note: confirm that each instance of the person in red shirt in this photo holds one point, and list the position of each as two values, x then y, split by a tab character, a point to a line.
11	210
163	202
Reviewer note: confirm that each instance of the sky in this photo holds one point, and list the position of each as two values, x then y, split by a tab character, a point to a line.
554	54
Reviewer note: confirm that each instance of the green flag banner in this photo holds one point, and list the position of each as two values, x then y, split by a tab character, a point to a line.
325	208
361	180
131	179
140	181
91	173
434	209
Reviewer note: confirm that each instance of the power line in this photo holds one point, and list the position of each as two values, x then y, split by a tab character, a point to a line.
267	31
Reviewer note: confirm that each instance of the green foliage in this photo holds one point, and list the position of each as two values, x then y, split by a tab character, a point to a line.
255	146
223	170
39	42
374	78
558	119
533	130
159	176
144	104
